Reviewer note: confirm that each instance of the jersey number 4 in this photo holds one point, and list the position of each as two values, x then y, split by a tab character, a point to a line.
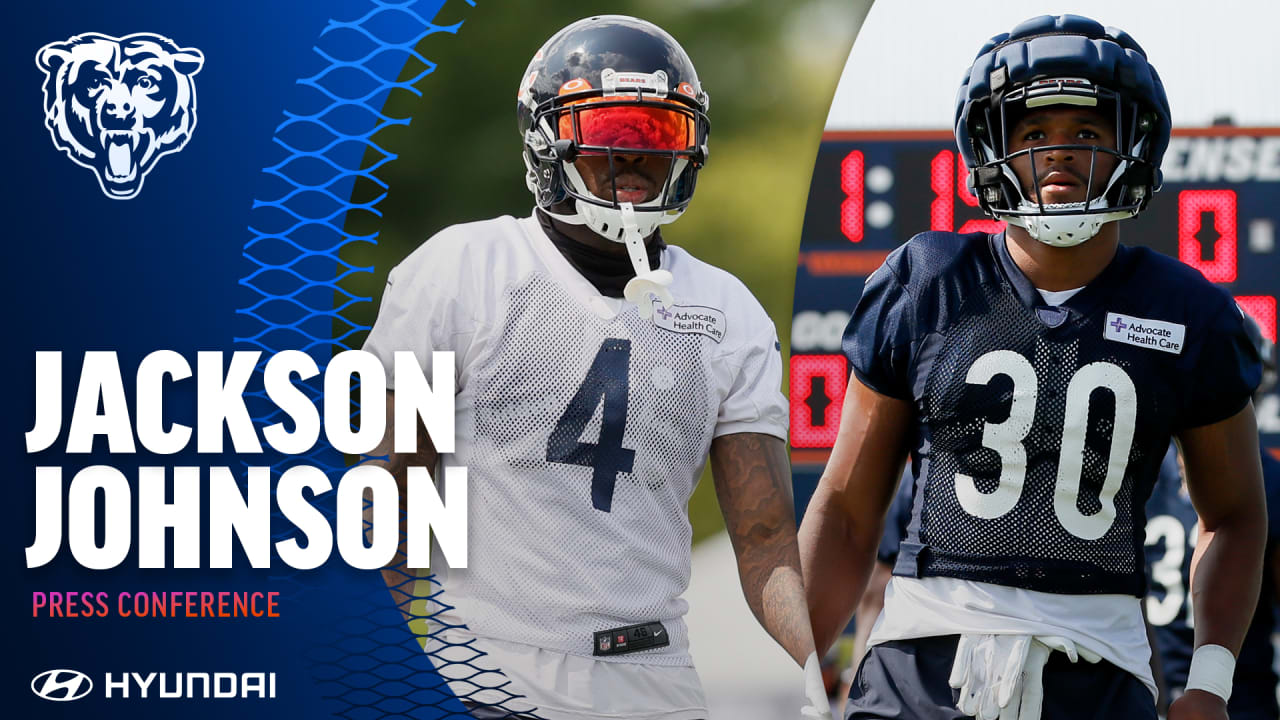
1006	439
607	381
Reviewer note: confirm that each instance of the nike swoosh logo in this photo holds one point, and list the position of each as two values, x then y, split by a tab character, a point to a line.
656	633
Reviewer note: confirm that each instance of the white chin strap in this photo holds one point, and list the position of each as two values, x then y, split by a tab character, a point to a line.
648	286
626	226
1067	229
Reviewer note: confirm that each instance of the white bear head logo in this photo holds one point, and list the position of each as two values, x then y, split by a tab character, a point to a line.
116	105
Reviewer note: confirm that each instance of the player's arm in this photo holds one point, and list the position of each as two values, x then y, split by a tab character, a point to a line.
1271	486
753	484
845	519
869	608
397	575
1224	478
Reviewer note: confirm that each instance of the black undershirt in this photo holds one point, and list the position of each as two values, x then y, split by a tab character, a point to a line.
608	272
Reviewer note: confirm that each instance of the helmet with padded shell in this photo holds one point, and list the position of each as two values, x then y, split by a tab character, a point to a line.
1073	61
611	86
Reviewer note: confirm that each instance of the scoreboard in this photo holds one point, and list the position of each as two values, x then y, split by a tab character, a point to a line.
871	191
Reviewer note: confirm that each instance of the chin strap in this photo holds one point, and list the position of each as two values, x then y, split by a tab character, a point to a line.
648	285
1067	229
567	218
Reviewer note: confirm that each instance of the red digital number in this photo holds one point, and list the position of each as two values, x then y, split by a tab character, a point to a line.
834	372
942	211
1222	204
948	180
852	183
1261	308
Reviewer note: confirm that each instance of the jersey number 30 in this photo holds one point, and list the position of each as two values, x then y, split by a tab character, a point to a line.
607	381
1006	439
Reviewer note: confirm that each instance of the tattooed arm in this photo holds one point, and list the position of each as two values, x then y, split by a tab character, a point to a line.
753	483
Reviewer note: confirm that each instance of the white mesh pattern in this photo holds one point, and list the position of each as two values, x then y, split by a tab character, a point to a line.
546	567
1028	546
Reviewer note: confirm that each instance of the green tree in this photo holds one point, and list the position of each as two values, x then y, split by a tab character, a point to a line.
770	68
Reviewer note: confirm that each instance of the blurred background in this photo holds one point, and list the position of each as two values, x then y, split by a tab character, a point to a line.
887	168
770	69
1211	57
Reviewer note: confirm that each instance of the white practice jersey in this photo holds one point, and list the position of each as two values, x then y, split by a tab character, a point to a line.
584	427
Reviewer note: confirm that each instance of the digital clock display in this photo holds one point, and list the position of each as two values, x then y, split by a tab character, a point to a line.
871	191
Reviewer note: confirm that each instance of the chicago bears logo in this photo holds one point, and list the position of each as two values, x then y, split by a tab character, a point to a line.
117	105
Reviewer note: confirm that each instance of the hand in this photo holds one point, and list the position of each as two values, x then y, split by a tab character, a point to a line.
817	706
1198	705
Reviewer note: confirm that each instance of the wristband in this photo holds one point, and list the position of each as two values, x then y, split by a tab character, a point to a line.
1212	667
813	685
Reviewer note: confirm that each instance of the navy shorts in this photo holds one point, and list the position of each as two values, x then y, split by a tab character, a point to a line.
908	679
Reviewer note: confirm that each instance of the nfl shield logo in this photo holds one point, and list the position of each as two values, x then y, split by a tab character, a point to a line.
604	644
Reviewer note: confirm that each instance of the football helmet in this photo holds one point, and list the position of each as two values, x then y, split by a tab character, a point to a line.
1064	60
620	95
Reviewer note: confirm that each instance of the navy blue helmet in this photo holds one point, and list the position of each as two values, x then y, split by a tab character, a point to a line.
1073	61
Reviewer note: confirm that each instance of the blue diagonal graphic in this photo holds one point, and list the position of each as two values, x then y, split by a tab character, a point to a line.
366	665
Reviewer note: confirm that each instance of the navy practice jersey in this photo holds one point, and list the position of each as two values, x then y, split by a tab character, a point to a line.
1171	539
1039	430
896	521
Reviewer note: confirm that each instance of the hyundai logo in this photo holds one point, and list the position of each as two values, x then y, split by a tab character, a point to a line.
61	685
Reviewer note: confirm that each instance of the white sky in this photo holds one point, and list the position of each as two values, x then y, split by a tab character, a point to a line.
1217	57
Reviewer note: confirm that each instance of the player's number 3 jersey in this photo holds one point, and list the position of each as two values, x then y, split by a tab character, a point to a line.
583	426
1041	429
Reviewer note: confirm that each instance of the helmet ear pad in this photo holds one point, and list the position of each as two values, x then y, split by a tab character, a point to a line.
541	171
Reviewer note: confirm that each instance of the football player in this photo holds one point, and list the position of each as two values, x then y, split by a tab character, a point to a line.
1172	535
1036	376
597	369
